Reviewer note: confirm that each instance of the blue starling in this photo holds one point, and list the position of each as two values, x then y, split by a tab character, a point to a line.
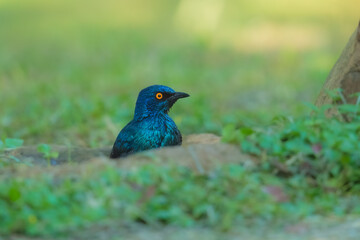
151	127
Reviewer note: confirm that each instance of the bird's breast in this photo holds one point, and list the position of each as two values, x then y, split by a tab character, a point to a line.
162	131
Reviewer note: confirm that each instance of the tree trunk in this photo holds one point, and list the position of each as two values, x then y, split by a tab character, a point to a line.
345	75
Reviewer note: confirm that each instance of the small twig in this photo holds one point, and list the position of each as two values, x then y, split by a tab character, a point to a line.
357	104
343	99
358	101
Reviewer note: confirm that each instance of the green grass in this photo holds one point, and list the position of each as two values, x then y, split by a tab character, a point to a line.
74	76
70	73
51	203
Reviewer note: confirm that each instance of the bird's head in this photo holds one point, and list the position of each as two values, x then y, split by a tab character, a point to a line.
156	99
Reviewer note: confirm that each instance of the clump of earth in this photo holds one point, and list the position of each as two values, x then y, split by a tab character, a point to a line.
200	152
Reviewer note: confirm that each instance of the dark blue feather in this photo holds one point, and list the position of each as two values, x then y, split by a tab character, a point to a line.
151	127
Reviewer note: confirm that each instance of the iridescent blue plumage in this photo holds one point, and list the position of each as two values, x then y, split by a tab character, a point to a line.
151	127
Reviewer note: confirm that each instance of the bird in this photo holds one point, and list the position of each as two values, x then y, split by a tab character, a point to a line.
151	126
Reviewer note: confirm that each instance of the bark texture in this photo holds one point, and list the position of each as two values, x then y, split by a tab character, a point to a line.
345	74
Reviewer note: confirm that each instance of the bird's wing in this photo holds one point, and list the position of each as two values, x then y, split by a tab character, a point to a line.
135	137
124	143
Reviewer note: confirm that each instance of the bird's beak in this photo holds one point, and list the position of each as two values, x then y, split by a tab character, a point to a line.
175	96
178	95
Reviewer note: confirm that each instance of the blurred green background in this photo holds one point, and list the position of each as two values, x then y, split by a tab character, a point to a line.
70	71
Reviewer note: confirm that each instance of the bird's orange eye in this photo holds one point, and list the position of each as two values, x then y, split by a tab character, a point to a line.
159	96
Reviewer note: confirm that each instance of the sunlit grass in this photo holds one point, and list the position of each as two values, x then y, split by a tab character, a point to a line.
71	71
